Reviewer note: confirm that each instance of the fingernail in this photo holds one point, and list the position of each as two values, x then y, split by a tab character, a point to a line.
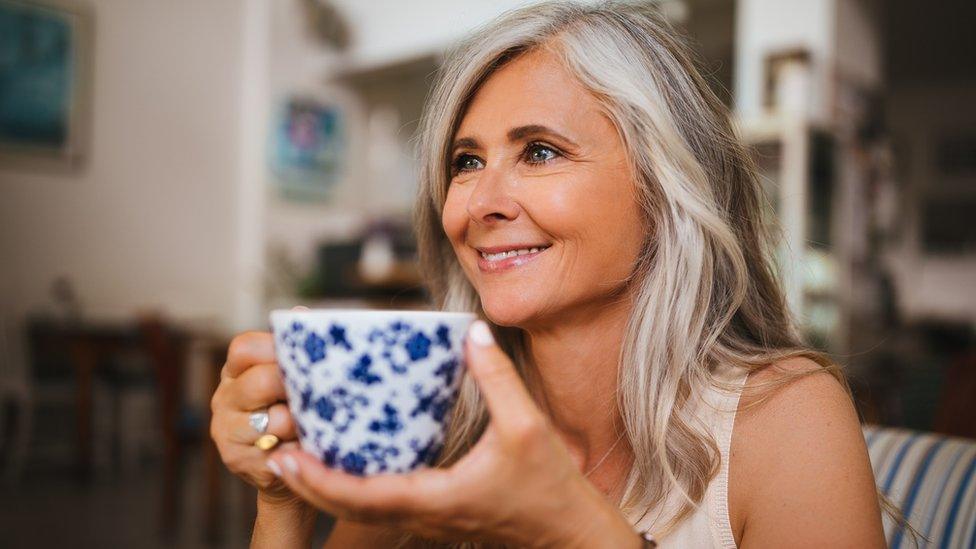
480	333
299	308
274	467
290	464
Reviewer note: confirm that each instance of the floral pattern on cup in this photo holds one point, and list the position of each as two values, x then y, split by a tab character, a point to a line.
371	397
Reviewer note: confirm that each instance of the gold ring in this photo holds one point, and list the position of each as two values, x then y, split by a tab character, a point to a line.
266	442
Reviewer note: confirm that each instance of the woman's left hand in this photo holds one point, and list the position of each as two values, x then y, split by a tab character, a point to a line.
518	484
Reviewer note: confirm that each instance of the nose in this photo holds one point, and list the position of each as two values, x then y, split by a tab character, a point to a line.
491	201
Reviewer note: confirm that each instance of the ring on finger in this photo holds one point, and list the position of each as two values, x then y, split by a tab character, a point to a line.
259	421
266	441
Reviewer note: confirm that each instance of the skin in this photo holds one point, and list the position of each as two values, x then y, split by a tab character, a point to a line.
799	471
573	192
250	381
571	301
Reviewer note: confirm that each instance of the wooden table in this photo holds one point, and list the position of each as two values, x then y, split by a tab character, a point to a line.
93	345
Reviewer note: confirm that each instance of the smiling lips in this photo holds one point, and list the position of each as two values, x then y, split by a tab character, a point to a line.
501	258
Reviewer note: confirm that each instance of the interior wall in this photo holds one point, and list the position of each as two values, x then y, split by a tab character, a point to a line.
149	221
379	82
301	65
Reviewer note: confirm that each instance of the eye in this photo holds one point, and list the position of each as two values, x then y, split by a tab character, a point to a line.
539	153
466	163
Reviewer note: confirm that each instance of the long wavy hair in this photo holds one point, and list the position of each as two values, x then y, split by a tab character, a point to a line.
704	287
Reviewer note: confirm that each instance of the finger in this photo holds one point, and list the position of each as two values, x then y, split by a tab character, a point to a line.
505	393
263	464
387	496
285	465
258	387
261	475
280	424
246	350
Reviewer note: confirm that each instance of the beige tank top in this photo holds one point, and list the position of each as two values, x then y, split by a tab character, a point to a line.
708	525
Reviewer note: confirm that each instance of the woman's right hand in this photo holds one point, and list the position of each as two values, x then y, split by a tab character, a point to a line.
250	382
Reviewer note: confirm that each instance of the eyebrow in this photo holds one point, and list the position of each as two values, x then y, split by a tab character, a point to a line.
514	134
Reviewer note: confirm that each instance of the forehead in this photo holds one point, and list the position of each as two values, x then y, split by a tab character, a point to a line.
534	88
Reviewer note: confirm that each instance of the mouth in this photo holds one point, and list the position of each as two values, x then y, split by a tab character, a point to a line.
502	258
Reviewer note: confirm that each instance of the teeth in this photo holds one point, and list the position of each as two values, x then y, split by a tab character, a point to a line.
511	253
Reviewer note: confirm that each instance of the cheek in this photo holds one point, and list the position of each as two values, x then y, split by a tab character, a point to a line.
625	235
582	212
454	217
559	210
596	217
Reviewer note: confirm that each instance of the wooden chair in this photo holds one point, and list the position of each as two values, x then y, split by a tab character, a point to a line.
166	348
15	406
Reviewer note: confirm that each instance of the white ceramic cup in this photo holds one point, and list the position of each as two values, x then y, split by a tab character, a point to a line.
371	391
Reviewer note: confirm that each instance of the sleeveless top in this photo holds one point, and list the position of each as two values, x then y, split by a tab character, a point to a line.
708	525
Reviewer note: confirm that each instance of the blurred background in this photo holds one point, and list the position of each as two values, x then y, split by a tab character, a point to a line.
171	171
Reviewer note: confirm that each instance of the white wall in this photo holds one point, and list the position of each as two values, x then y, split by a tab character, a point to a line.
174	208
299	64
407	29
150	221
384	34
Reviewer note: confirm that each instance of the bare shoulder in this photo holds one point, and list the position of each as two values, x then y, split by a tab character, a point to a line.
798	462
793	385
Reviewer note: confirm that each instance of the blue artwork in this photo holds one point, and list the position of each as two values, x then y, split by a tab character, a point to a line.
306	149
37	76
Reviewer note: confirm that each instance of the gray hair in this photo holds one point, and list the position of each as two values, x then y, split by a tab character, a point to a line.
704	287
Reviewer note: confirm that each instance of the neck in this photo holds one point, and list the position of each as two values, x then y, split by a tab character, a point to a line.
573	377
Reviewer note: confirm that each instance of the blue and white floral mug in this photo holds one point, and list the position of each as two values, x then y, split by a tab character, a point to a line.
371	391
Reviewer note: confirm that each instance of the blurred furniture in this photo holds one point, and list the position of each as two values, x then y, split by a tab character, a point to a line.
52	389
919	375
956	412
15	406
796	164
72	353
104	351
166	347
215	351
931	479
125	406
344	271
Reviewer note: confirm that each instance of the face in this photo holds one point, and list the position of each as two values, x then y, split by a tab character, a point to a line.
541	208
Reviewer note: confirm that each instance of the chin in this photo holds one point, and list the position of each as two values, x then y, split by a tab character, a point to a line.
509	309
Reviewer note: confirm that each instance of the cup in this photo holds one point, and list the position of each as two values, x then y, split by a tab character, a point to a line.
371	391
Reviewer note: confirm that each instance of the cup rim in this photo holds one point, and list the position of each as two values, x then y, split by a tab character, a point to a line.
377	313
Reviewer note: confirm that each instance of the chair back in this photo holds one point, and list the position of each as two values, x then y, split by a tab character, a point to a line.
930	477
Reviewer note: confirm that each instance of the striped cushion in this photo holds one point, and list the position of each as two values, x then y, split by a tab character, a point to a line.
931	479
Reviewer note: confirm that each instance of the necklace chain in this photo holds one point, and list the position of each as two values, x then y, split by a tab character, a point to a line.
605	456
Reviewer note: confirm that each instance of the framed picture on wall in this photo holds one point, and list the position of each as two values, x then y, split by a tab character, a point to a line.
307	146
45	60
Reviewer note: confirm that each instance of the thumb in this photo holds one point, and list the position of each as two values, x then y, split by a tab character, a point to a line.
505	393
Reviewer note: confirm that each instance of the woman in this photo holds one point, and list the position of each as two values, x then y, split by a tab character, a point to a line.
583	191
